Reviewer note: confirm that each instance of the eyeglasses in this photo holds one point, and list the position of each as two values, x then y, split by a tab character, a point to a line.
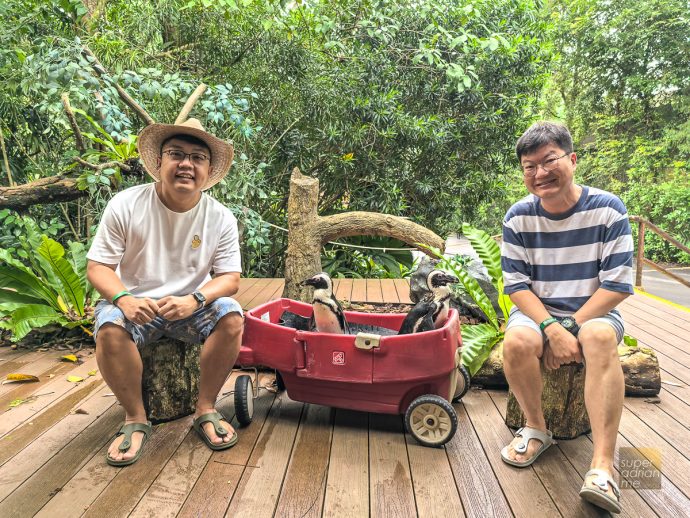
547	165
179	156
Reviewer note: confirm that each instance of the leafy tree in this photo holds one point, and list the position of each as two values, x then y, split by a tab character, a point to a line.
623	86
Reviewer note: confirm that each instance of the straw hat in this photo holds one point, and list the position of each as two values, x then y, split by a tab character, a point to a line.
152	137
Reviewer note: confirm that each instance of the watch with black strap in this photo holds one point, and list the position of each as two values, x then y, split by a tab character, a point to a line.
200	298
570	325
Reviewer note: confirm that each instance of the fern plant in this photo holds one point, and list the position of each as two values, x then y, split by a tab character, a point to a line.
53	290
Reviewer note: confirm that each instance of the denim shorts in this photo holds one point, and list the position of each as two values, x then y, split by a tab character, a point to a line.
612	318
194	329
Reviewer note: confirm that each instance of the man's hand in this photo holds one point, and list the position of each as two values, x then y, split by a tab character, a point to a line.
562	348
138	311
177	308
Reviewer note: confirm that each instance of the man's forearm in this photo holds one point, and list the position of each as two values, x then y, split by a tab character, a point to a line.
104	279
599	304
224	285
527	302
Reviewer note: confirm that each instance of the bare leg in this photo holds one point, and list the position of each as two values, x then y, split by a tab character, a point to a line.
604	391
120	364
522	350
217	359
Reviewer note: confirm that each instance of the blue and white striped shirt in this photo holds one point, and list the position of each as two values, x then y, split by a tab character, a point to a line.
565	258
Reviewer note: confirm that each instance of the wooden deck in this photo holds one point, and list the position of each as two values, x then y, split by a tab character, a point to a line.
304	460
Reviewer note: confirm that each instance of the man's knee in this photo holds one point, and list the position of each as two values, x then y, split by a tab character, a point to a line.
230	325
599	343
521	343
110	337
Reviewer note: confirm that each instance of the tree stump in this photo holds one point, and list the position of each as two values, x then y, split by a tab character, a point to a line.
170	383
563	402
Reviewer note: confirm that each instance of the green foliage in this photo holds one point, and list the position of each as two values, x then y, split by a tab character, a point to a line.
622	84
368	261
667	205
52	291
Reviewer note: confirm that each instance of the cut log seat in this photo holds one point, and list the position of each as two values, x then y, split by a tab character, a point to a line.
170	382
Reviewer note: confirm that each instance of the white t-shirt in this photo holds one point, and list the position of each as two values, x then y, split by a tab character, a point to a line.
160	252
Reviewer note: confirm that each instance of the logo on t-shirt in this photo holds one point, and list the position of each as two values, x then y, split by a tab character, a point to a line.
196	242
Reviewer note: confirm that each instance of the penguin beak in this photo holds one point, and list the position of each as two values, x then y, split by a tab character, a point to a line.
449	279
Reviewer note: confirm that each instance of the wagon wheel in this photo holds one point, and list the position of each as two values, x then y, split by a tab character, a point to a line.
431	420
462	384
244	399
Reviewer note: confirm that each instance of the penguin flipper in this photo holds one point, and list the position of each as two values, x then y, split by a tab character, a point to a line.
421	311
341	316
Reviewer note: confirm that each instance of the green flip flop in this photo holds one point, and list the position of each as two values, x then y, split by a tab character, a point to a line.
214	417
127	430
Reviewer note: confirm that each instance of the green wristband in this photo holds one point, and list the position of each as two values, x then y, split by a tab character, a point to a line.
546	323
118	295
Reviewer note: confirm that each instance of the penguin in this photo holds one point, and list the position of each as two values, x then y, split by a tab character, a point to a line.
327	315
431	311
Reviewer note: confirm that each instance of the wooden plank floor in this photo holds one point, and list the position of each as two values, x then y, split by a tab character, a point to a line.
305	460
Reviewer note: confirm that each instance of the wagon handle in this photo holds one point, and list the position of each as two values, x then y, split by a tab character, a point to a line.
367	341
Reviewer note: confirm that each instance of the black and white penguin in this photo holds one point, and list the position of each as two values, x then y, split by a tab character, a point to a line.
327	315
431	311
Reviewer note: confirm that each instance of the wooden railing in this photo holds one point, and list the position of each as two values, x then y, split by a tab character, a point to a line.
642	260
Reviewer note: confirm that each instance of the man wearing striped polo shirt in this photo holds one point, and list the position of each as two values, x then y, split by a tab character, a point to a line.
567	263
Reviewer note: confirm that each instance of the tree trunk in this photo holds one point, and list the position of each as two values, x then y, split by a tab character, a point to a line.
640	369
308	232
45	190
304	245
170	383
563	401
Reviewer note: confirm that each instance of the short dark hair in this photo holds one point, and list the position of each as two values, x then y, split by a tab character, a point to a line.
189	139
542	133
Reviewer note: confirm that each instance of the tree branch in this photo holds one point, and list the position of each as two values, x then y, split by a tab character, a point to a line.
73	123
104	165
101	71
359	223
4	159
45	190
184	113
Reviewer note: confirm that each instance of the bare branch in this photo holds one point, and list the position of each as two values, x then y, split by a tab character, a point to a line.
100	70
73	123
4	159
184	113
45	190
104	165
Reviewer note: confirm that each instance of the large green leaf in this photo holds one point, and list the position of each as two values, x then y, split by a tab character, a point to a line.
504	301
77	258
487	249
72	289
475	291
10	296
477	342
31	316
14	275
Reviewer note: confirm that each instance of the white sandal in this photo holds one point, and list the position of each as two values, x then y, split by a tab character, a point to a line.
527	434
598	494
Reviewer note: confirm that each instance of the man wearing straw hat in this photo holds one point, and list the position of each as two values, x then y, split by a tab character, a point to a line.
151	261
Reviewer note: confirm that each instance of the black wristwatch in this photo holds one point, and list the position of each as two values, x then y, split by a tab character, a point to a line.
570	324
199	297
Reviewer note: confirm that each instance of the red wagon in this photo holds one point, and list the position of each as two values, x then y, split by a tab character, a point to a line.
416	375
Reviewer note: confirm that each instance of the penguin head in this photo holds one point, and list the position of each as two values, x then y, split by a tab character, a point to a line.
438	278
320	281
